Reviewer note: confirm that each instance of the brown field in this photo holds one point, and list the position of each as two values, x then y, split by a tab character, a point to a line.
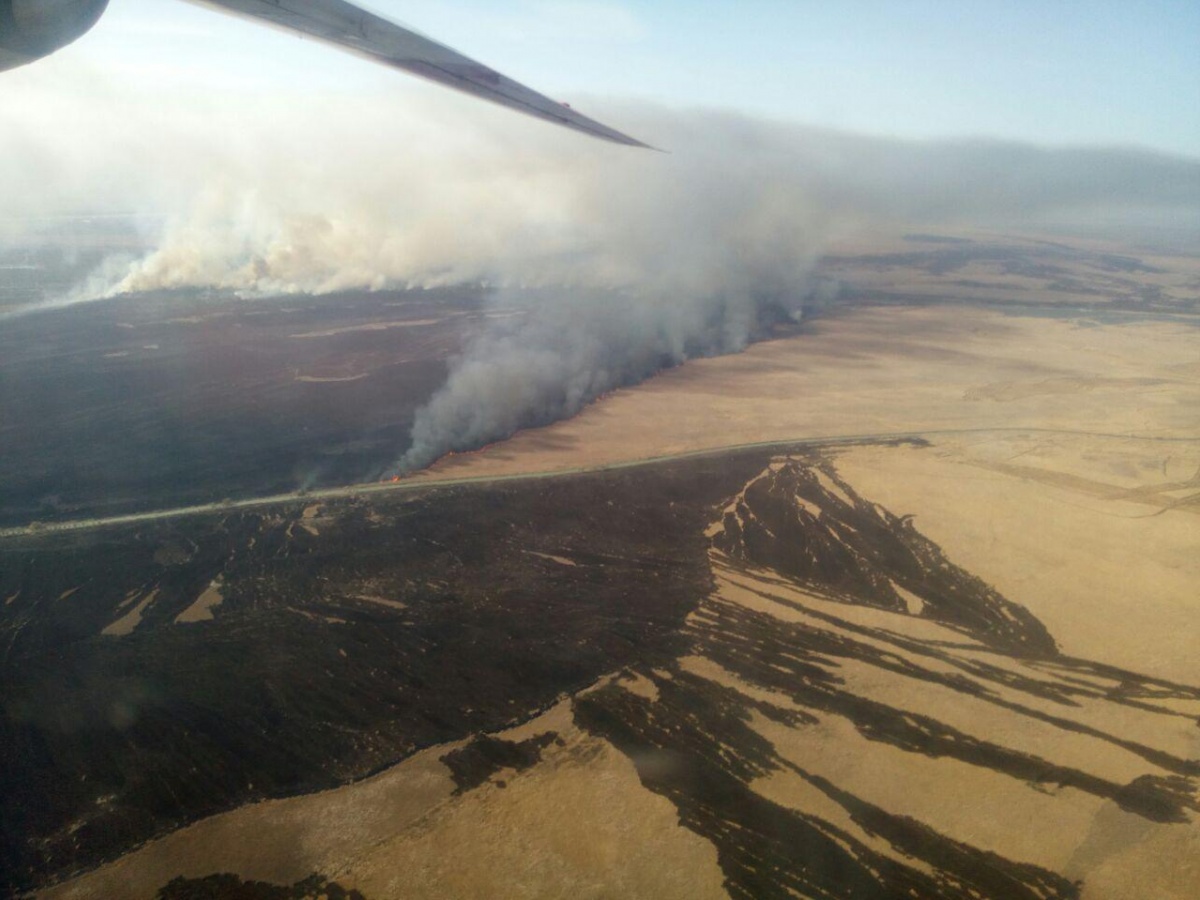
1046	745
879	372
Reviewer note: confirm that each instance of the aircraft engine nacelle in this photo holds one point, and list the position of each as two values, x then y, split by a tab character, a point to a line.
31	29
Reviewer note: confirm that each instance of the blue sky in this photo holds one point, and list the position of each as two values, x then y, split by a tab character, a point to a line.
1048	72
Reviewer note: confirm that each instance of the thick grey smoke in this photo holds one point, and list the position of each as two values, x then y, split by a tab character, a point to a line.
693	254
613	262
563	348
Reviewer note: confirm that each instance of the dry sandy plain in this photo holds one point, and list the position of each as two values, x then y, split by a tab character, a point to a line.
1058	468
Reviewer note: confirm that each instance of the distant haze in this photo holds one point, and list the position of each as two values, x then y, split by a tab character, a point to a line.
639	259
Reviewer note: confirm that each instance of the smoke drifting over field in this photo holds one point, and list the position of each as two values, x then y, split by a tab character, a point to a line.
565	348
626	260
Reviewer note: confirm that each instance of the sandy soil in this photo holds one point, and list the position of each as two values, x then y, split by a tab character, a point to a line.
576	825
202	610
280	841
128	622
883	371
1084	532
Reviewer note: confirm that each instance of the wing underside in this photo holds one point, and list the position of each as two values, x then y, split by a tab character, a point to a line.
367	34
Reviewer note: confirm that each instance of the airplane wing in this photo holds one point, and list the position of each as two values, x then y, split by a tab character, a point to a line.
346	25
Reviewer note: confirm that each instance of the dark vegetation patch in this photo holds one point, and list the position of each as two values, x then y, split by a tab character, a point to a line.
161	400
855	551
412	620
229	887
484	756
1094	281
406	621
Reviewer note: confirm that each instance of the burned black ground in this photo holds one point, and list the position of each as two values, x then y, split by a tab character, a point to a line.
350	634
161	400
475	763
344	642
226	886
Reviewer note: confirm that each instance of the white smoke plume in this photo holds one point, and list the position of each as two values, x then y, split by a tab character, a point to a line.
625	260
